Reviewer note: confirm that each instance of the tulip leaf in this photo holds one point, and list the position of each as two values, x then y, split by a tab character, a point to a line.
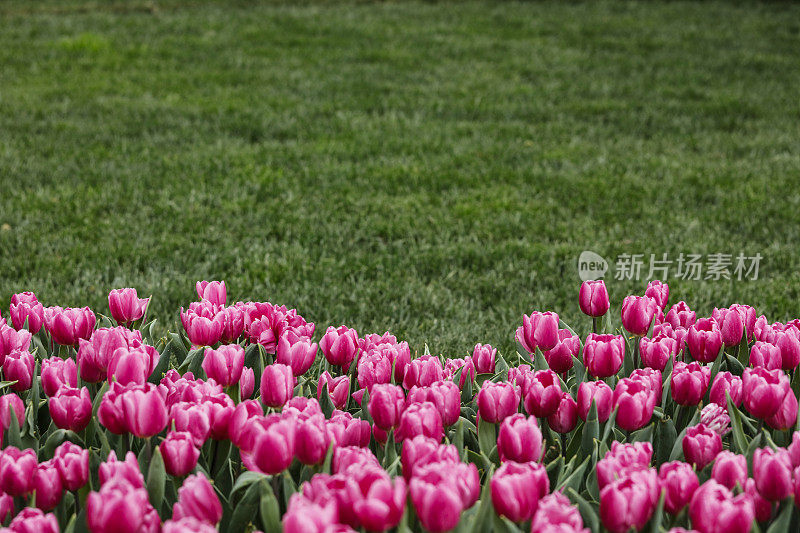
665	436
480	378
52	442
14	437
466	392
365	407
390	452
555	470
575	478
268	507
246	510
609	427
580	374
163	363
326	464
289	487
734	365
156	479
751	450
539	361
325	402
586	509
501	366
642	435
483	516
458	437
627	362
487	437
575	441
244	480
504	525
591	431
742	353
658	515
784	518
739	438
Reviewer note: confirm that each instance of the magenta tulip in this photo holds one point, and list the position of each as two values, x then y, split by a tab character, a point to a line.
225	364
277	385
559	358
340	346
497	401
9	402
656	352
772	471
516	489
731	325
179	453
483	357
725	382
603	354
47	485
72	462
730	469
273	445
57	372
600	393
444	395
556	513
30	520
621	459
519	439
297	352
786	415
119	507
763	391
12	340
126	306
704	340
16	470
143	410
680	482
638	313
659	292
540	330
214	291
386	404
423	371
713	509
67	326
566	416
715	418
633	402
701	445
127	470
765	355
543	393
593	298
71	408
25	307
420	419
689	383
466	367
629	501
338	389
18	366
197	499
311	441
789	344
680	316
95	355
203	324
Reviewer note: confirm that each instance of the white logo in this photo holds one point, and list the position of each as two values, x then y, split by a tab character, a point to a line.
591	266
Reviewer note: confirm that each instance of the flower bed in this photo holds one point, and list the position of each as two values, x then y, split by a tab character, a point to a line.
237	423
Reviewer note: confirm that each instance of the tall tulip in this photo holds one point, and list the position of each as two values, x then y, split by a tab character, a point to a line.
277	385
593	298
225	364
637	314
25	307
603	354
629	501
704	340
496	401
126	306
68	325
701	445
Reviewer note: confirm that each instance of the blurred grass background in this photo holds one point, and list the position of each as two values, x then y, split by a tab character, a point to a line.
433	169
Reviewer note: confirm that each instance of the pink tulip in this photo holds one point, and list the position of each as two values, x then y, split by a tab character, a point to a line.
638	313
689	383
204	324
622	459
380	500
679	482
656	352
95	355
559	358
373	367
762	506
420	419
132	365
519	439
297	352
127	470
715	418
497	401
386	403
704	340
725	382
247	383
338	389
566	416
437	497
748	316
197	499
30	520
193	418
72	463
713	509
423	371
421	451
786	415
466	366
340	346
71	408
651	378
305	516
277	385
233	324
701	445
517	488
731	325
12	340
680	316
603	354
220	410
444	395
593	298
600	393
57	372
143	410
179	453
540	330
126	306
557	514
25	306
213	291
765	355
187	524
16	470
483	357
763	391
243	414
629	501
9	402
659	292
349	458
730	469
543	393
46	483
345	430
225	364
311	441
273	445
18	366
772	471
633	402
120	507
67	326
789	344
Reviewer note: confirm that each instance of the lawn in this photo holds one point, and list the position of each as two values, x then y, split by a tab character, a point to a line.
433	169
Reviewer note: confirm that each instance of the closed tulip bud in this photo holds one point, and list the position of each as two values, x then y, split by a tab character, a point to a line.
386	403
680	316
763	331
516	489
603	354
786	415
701	445
273	445
25	307
748	316
345	430
126	306
566	416
240	420
621	459
656	352
704	340
179	453
220	410
772	471
540	330
543	394
483	357
444	395
519	439
423	371
559	358
12	340
233	327
311	441
373	367
633	402
340	346
132	365
247	383
72	463
716	418
593	298
713	509
765	355
297	352
71	408
441	491
47	486
225	364
600	393
338	389
30	520
679	482
659	292
109	414
420	419
763	391
214	291
638	313
143	410
9	402
18	366
467	367
16	470
57	372
119	507
127	470
380	500
67	326
629	502
496	401
95	355
421	451
762	506
689	383
191	417
788	343
731	326
556	514
203	324
652	378
197	499
277	385
725	382
730	469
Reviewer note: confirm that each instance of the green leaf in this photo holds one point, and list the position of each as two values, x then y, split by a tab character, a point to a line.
163	363
658	515
156	479
734	365
665	437
246	510
365	407
504	525
591	431
576	477
487	437
325	401
289	487
390	452
326	465
539	362
13	432
483	518
555	470
677	449
56	437
480	378
575	440
245	480
609	426
268	507
781	523
739	438
466	392
589	515
642	435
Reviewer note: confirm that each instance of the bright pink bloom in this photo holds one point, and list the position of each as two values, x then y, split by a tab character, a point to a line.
126	306
566	416
603	354
786	415
340	346
765	355
496	401
634	404
338	389
225	364
421	451
196	498
143	410
517	488
420	419
593	298
467	367
729	469
638	313
701	445
731	325
621	459
423	371
483	357
386	403
9	402
72	462
193	418
713	509
763	391
444	395
25	306
440	491
119	507
30	520
656	352
18	366
726	382
556	514
715	418
127	470
132	365
297	352
772	471
680	316
311	440
789	344
689	382
67	326
659	292
704	340
600	393
57	372
679	481
179	453
12	340
540	330
543	393
47	485
204	324
277	385
95	355
273	444
71	408
346	430
559	358
214	291
629	501
16	470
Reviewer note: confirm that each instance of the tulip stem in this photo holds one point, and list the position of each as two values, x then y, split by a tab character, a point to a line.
594	324
213	457
635	353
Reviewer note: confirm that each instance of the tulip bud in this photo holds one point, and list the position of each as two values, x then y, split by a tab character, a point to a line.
704	340
71	408
789	344
386	403
67	326
247	383
786	415
679	482
557	514
629	501
444	395
540	330
340	346
603	354
559	358
7	403
204	326
214	291
16	470
126	306
72	462
634	404
483	357
566	416
18	366
132	365
763	391
277	385
622	459
496	401
421	451
179	453
273	445
225	364
659	292
680	316
600	393
772	471
25	307
656	352
517	488
420	419
731	326
311	441
651	378
519	439
120	504
127	470
725	382
713	508
730	469
57	372
423	371
12	340
197	499
297	352
701	445
30	520
143	410
338	389
637	314
345	430
543	394
593	298
47	486
689	383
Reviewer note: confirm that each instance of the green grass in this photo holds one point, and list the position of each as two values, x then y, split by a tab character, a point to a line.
433	169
